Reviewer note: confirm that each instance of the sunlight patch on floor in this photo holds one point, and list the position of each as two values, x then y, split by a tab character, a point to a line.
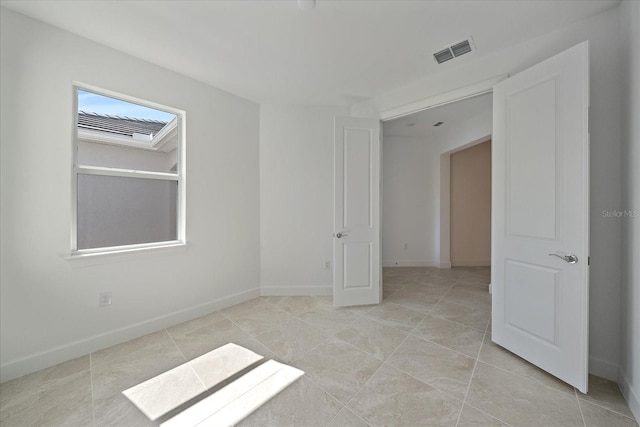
181	396
236	401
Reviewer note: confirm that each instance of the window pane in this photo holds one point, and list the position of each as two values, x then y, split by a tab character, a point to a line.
119	134
116	211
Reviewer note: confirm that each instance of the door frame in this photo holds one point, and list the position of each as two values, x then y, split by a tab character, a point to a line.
464	92
444	227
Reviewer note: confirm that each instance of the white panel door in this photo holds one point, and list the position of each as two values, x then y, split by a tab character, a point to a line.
540	216
356	238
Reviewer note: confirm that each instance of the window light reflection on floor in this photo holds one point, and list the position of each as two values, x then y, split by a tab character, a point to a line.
239	381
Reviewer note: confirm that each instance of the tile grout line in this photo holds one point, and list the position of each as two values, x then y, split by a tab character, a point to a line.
255	336
440	345
428	313
356	393
93	404
303	354
295	296
329	337
529	379
339	330
488	414
405	331
357	348
466	306
308	351
604	407
575	393
384	324
176	345
342	406
475	364
426	383
458	323
347	409
188	362
464	292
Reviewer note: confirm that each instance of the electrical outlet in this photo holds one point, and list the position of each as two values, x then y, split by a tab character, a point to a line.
406	246
104	299
327	265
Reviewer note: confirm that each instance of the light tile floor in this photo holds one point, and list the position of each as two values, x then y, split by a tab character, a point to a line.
423	357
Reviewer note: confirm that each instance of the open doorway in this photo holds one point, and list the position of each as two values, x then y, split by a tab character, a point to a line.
422	224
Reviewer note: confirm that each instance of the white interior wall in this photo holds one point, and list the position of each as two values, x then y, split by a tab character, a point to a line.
48	305
602	31
630	352
409	188
296	199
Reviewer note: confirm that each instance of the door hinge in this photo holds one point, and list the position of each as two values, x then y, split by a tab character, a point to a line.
588	260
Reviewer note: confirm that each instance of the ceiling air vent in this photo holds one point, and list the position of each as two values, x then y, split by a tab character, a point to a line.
443	56
454	51
461	48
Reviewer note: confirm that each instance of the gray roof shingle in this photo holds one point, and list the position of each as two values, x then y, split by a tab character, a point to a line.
119	125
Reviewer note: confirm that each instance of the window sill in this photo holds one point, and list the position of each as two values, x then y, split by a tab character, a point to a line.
121	253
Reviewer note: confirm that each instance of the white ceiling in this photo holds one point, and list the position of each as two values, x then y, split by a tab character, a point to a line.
339	52
453	116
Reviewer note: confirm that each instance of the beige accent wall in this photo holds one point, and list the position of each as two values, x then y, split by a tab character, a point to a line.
471	206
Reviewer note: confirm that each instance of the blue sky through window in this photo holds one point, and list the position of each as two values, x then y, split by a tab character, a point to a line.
92	102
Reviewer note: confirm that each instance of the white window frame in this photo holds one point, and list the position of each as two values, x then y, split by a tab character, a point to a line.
178	177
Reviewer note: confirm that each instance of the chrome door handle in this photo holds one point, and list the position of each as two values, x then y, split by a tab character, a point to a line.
340	235
570	258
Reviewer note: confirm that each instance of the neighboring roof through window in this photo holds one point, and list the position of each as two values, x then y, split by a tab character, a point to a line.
120	125
148	134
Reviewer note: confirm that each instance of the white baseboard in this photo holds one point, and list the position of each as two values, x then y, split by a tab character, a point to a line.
603	369
471	262
35	362
631	396
444	264
280	291
409	263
